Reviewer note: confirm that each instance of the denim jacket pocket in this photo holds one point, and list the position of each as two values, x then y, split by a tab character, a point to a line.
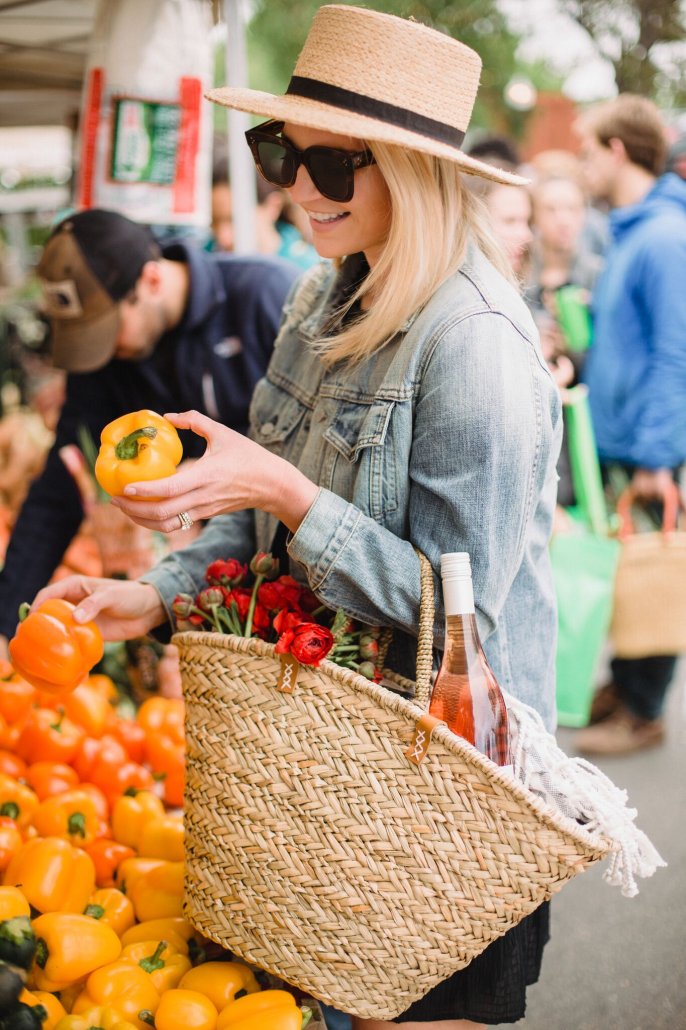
360	434
274	416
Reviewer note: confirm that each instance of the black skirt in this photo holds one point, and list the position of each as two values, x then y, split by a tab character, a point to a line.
492	988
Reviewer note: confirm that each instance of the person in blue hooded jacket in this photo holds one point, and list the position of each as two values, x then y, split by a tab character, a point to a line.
636	369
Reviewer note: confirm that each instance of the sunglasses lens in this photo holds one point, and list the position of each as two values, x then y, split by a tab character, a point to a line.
277	163
331	173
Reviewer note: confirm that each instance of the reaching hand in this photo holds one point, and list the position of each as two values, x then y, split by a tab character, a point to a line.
233	474
122	609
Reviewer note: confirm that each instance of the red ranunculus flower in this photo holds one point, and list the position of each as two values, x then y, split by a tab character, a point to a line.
284	592
311	643
228	573
286	620
242	599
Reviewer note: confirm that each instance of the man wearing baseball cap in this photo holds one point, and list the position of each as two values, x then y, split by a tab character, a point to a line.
136	326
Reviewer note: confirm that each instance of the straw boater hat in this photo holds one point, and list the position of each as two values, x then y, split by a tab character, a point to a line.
378	77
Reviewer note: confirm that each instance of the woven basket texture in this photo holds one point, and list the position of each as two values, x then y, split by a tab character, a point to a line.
316	850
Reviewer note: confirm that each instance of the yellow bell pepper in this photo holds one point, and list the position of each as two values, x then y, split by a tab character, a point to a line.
268	1010
131	869
112	907
69	995
71	814
70	946
131	814
136	447
221	982
123	986
101	1017
176	931
54	1008
164	965
13	903
183	1010
159	892
162	838
52	875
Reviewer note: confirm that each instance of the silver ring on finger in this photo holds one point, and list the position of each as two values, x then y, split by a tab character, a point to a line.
185	520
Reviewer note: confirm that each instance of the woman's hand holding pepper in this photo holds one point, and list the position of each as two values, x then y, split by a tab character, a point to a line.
233	474
122	609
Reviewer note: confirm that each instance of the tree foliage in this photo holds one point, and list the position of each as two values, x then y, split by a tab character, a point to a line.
643	39
278	30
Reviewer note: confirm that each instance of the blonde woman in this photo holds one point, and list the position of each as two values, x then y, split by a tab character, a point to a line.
407	403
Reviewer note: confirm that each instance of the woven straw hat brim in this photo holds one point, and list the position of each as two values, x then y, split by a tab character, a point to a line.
316	115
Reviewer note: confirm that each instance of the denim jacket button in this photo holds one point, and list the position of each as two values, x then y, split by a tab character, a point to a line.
268	428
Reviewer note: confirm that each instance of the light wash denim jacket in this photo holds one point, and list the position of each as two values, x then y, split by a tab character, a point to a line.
444	440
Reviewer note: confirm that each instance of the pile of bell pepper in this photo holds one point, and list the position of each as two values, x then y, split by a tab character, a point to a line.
92	932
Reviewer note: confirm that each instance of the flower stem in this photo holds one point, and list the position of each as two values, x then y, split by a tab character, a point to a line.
259	579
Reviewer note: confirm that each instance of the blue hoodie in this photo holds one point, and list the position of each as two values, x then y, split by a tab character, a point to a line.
636	369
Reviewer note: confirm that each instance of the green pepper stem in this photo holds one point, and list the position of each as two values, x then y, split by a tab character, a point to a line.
41	953
129	446
155	961
76	824
24	609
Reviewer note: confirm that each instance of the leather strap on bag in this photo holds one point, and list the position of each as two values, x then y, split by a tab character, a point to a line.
670	511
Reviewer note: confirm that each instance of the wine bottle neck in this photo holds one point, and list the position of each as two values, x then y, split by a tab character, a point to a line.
458	596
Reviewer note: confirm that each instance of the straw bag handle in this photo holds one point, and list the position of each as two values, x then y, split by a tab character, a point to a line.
670	511
425	637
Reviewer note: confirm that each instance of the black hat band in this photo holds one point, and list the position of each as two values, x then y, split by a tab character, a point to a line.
358	103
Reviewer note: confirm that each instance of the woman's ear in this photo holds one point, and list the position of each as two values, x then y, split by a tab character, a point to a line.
618	148
151	276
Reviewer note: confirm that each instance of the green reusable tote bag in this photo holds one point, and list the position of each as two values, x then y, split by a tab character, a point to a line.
584	561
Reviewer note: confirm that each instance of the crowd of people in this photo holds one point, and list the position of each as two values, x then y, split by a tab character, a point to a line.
415	398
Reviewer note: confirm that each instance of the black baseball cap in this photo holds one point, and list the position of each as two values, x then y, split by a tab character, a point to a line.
91	261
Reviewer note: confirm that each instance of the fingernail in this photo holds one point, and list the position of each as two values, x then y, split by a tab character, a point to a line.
130	491
79	616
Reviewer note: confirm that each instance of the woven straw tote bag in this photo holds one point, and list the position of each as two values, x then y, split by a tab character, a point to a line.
317	850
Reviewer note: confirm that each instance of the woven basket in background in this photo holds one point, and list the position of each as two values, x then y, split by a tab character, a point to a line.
314	847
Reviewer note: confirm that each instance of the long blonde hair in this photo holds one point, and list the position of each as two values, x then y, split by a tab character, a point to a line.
433	216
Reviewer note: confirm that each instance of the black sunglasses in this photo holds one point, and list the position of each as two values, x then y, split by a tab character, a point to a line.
332	171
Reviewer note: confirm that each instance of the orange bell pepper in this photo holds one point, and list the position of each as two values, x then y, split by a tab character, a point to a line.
49	736
162	715
268	1010
52	875
13	903
50	650
167	759
54	1009
16	699
125	987
48	778
162	838
87	708
70	946
71	814
135	448
164	965
129	776
10	841
179	1010
177	931
104	685
101	1017
132	869
158	893
96	759
131	736
221	981
110	906
107	856
131	813
11	764
17	801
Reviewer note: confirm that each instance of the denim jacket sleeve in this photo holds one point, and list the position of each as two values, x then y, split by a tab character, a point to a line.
482	440
183	572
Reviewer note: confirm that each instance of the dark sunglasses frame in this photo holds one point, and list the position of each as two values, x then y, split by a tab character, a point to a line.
270	132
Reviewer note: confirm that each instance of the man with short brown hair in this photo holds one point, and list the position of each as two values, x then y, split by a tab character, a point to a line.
636	368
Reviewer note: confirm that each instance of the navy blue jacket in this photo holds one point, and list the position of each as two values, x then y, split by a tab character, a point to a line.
210	362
